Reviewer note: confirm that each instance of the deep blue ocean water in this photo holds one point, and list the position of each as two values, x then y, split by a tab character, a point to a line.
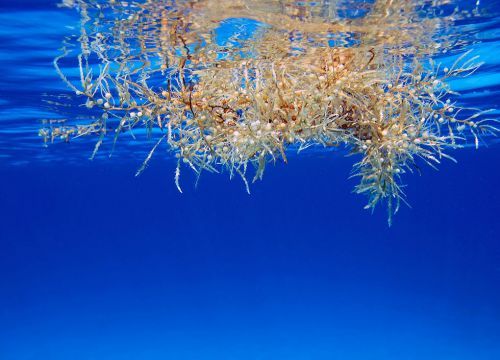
98	264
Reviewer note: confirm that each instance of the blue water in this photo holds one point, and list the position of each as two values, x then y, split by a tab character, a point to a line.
98	264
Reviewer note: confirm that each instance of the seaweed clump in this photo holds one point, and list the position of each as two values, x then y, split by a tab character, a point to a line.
305	76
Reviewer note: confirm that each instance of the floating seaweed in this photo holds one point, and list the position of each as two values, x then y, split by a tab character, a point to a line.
306	75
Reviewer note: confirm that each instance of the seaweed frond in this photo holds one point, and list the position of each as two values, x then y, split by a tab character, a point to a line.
305	77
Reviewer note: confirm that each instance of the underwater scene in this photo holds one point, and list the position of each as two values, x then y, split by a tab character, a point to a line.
249	180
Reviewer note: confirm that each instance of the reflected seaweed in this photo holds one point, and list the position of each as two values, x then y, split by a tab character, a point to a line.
290	76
